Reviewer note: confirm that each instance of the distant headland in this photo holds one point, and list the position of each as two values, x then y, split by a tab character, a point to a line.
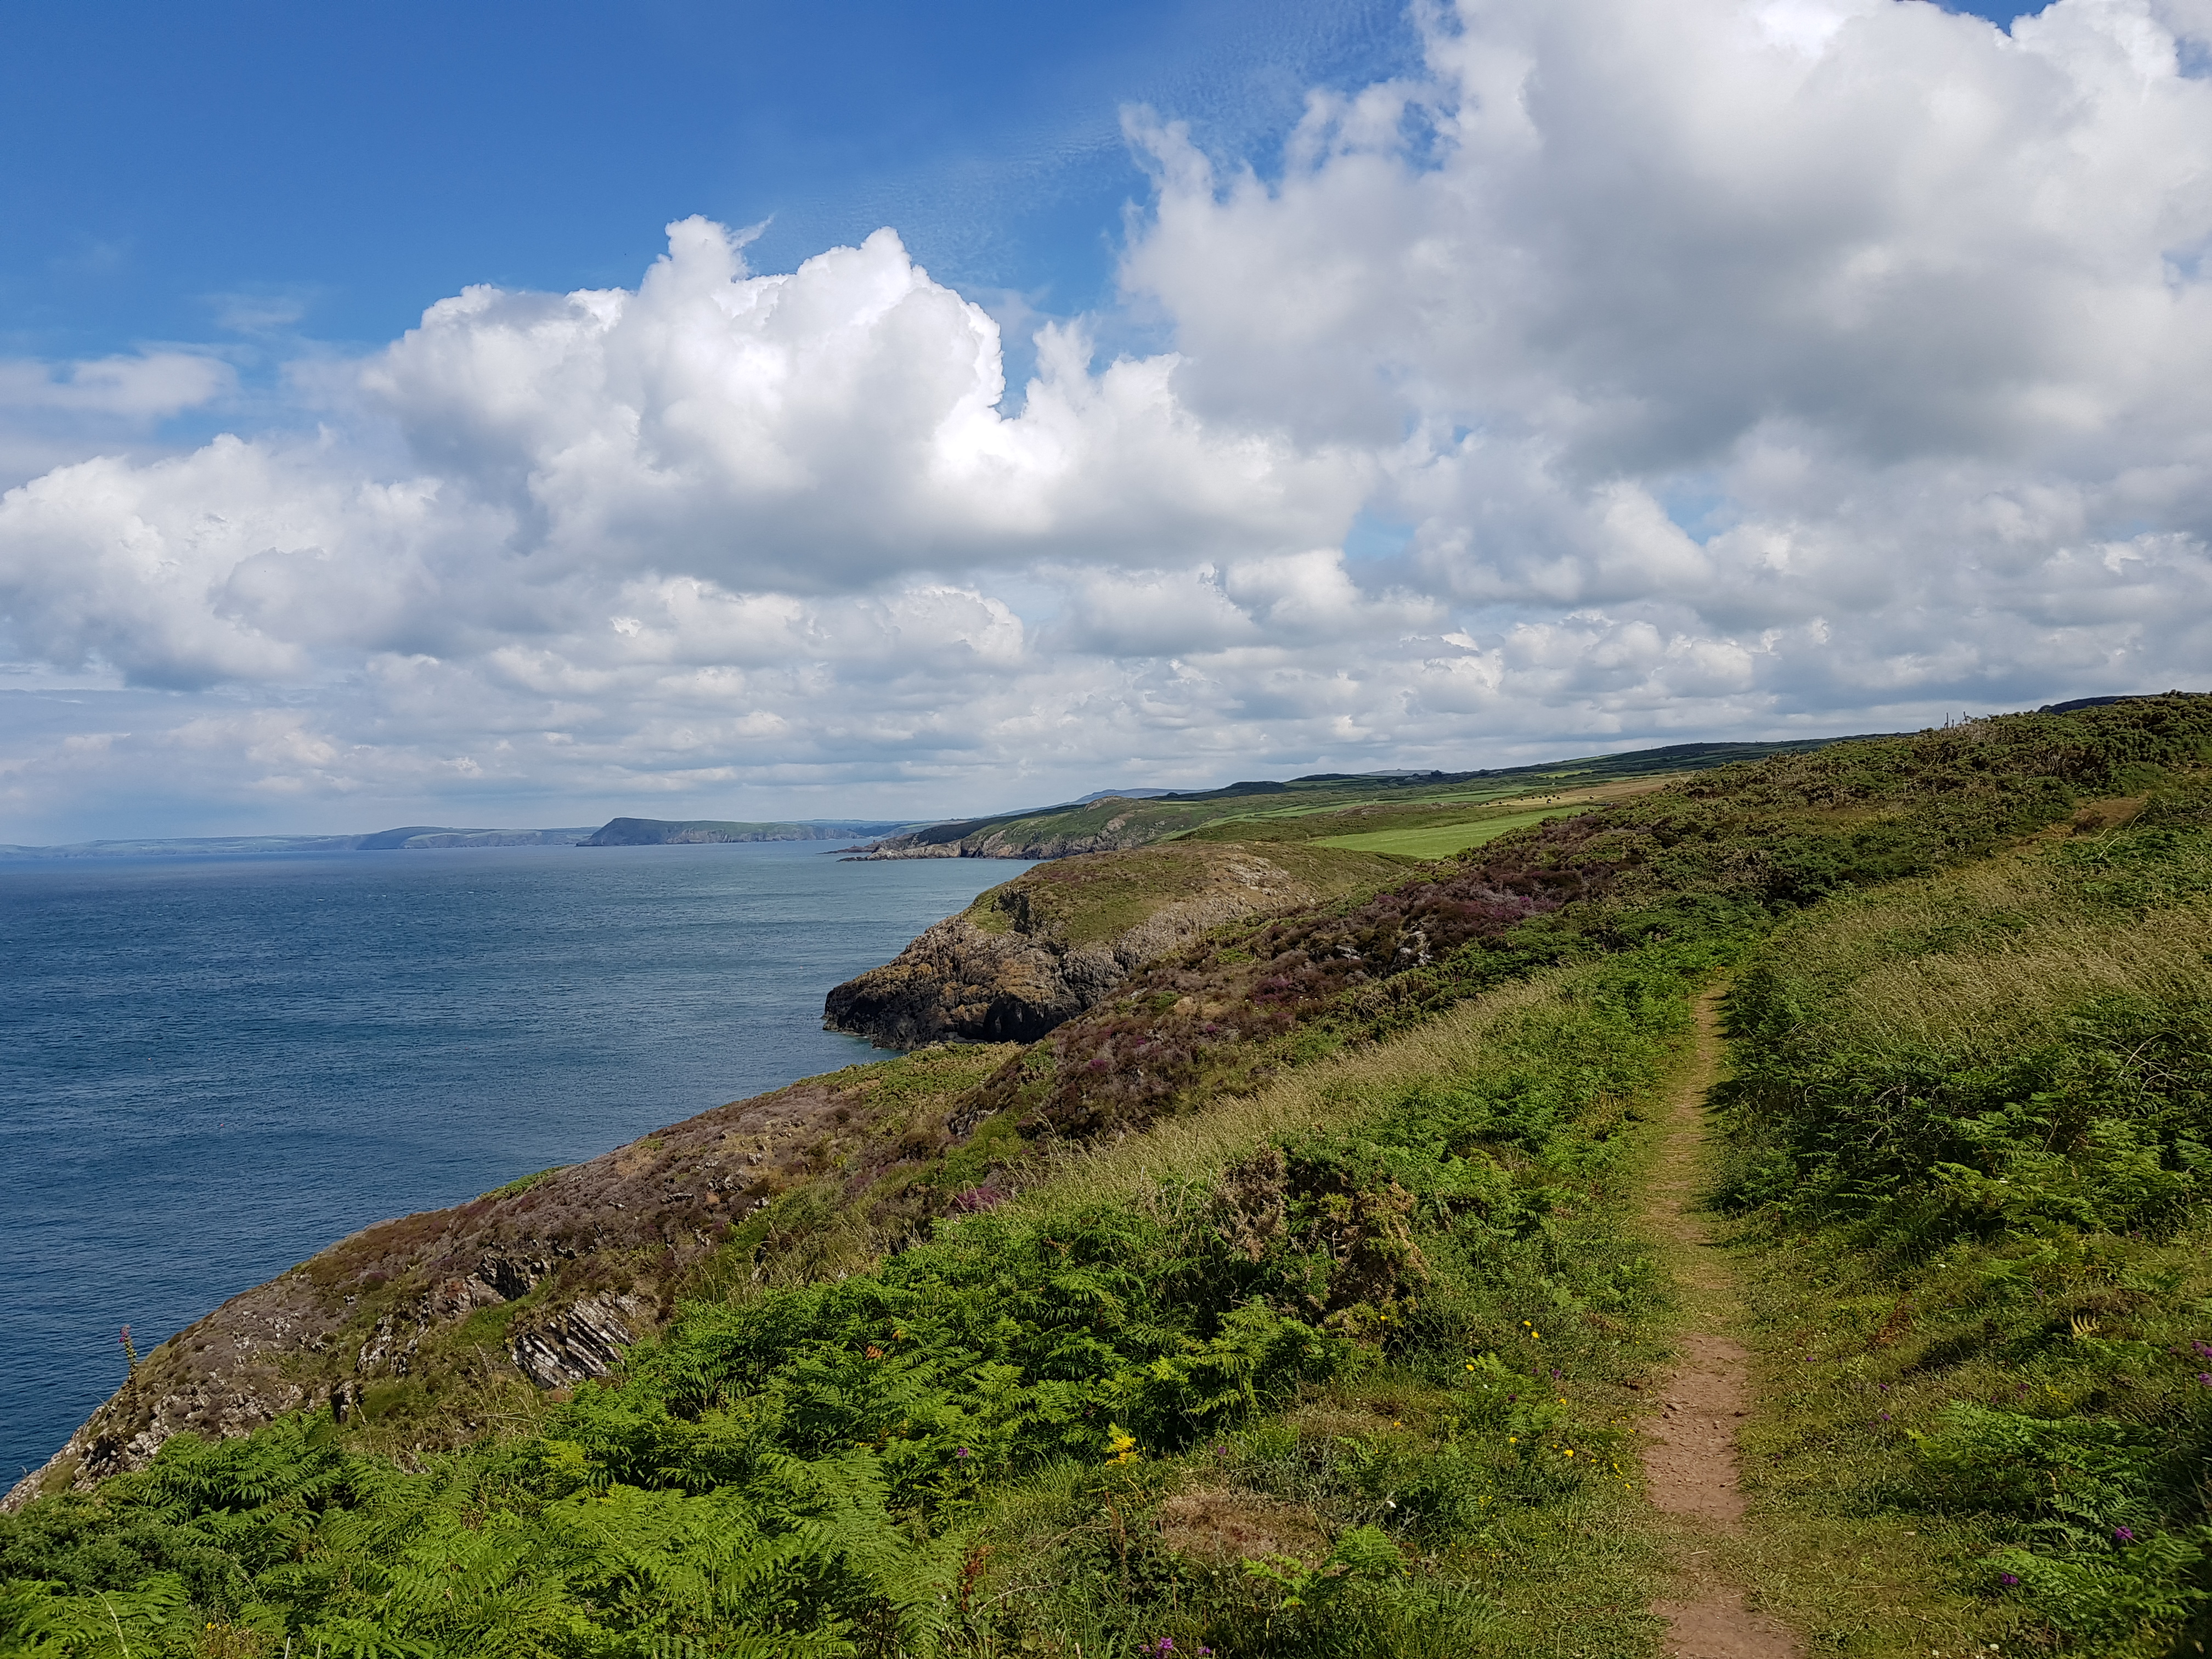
418	837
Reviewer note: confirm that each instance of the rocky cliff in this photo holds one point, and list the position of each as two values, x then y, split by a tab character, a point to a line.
1042	948
1110	823
543	1282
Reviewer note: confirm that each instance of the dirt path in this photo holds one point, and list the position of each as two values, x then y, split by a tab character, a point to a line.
1690	1464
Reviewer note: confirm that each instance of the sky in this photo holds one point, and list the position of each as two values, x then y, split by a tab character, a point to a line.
512	414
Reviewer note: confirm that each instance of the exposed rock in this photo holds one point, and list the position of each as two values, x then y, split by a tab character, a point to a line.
1056	939
218	1378
957	980
586	1340
1018	841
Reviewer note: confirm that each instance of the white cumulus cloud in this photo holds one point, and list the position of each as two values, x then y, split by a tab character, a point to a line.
1724	367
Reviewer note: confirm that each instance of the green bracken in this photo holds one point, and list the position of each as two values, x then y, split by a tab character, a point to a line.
1403	1330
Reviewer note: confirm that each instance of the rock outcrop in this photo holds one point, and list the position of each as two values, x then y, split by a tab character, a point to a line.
1041	949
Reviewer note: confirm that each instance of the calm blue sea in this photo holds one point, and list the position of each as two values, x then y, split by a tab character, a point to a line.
212	1068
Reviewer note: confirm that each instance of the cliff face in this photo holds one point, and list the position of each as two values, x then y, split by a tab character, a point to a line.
544	1282
1051	943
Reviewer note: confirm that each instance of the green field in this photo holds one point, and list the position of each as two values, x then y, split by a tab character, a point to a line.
1120	822
1440	841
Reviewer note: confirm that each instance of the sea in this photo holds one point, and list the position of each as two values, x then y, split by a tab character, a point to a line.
211	1067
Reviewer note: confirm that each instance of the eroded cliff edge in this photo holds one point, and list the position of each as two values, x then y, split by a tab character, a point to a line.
1039	950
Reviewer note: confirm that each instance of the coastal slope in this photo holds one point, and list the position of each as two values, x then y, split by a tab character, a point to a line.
426	1319
423	1324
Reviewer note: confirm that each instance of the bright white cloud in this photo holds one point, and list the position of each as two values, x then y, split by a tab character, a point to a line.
822	430
1736	367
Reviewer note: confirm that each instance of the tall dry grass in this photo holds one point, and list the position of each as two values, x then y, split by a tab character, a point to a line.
1985	963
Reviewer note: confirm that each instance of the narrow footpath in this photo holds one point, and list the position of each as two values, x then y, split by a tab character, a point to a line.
1689	1462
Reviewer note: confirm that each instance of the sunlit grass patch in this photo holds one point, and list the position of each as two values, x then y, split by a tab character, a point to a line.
1442	840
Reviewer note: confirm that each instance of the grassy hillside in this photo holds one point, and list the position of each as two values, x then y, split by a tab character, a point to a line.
1264	810
1095	901
1302	1299
1717	856
1339	1369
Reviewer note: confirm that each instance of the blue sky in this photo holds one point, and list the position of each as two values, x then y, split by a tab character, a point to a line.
216	171
172	167
1238	389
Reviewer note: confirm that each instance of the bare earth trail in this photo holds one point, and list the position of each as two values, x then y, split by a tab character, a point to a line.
1690	1464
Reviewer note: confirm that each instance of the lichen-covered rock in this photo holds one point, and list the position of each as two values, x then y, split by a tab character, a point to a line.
586	1339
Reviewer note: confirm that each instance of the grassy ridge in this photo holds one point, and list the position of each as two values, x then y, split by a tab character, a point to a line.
1117	823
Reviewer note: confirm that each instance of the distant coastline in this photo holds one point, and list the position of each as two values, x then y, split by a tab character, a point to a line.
616	832
1105	820
689	832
